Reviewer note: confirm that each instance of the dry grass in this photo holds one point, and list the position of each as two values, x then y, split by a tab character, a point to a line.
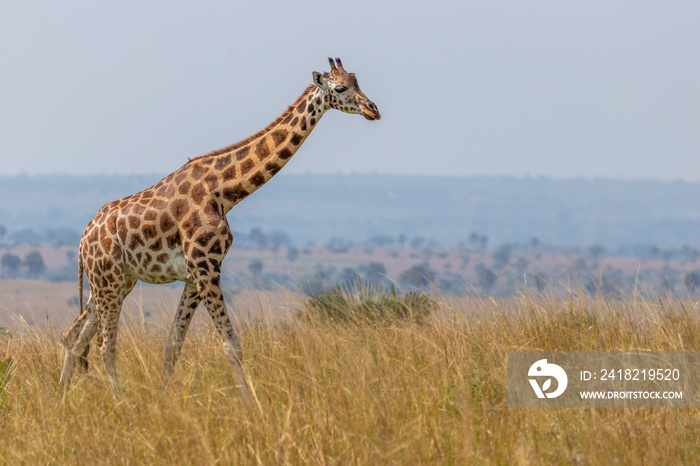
403	392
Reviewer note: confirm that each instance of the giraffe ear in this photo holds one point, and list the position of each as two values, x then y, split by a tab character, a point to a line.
320	81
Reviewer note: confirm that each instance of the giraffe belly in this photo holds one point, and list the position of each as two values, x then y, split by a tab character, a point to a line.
158	267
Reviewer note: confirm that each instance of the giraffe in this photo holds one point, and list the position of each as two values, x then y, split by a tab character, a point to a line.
177	229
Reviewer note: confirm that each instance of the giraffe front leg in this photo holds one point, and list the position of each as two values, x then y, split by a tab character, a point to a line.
189	301
209	286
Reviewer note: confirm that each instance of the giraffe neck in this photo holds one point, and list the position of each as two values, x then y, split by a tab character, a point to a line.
234	172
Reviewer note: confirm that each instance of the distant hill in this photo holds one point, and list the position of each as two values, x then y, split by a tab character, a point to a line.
316	208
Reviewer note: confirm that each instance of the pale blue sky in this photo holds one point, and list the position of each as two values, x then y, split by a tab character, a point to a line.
559	88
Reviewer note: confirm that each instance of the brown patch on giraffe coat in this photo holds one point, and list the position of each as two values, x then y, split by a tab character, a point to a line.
196	253
163	258
258	179
184	188
285	154
180	177
222	161
135	242
204	239
197	171
235	193
198	193
166	222
158	204
242	153
134	222
149	232
167	191
203	265
229	173
279	136
137	209
246	166
157	245
106	243
272	168
112	226
192	224
296	139
150	215
122	230
179	208
216	248
261	150
215	208
212	182
173	240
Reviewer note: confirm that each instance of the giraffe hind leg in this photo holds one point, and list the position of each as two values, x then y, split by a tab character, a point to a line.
77	340
189	301
110	310
83	364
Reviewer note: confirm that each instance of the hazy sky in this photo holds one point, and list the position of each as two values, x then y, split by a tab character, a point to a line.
559	88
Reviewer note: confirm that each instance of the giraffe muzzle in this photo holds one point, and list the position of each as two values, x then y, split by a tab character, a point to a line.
370	111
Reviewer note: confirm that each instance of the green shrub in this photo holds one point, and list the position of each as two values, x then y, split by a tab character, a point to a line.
362	301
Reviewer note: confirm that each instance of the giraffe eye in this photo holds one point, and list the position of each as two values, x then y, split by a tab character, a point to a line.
340	89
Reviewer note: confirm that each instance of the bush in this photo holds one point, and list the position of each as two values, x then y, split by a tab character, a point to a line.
692	281
35	263
376	272
362	301
501	256
11	263
419	276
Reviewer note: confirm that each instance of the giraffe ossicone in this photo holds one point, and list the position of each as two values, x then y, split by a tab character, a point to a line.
177	229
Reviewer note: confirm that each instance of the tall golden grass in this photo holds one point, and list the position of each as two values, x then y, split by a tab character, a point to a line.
323	392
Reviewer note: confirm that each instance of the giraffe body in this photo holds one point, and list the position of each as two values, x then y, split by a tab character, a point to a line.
177	229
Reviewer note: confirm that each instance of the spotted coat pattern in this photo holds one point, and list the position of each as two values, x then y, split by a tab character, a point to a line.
178	230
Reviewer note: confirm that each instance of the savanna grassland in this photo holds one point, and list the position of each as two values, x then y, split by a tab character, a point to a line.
404	391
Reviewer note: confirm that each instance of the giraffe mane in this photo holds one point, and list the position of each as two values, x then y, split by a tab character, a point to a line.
249	139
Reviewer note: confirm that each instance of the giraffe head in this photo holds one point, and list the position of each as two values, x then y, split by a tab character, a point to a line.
341	91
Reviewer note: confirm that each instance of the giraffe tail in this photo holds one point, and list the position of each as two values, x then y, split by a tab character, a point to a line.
80	283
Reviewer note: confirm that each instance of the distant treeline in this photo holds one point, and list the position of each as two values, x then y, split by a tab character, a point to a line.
649	215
